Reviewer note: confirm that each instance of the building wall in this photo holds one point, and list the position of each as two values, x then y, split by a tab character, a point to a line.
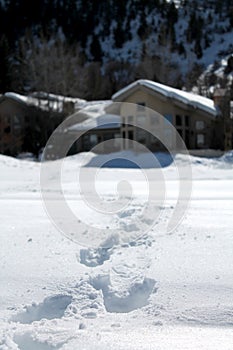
12	120
24	127
196	127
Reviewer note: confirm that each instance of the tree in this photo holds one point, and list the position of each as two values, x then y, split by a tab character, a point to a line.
198	49
4	64
95	49
50	65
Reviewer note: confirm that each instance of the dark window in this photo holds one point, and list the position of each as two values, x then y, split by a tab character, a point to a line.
168	118
130	135
180	132
200	124
200	139
141	136
186	139
89	141
7	130
186	120
130	119
178	120
141	106
108	136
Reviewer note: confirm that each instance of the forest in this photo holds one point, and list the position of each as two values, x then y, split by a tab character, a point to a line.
92	48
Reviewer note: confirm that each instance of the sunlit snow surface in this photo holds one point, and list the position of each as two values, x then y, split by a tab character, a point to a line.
163	291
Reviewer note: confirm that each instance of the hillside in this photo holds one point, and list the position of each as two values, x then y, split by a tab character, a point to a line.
91	49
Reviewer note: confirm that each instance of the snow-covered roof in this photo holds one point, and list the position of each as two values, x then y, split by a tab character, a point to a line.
96	106
45	101
96	116
54	97
188	98
104	121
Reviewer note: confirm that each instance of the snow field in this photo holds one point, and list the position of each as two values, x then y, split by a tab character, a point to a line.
160	291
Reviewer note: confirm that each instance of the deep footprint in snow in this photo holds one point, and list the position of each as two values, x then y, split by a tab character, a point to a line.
117	300
94	257
26	342
50	308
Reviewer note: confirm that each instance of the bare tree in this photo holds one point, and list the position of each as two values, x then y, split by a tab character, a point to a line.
49	65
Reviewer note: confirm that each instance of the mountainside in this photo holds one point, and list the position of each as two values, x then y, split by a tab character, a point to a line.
63	46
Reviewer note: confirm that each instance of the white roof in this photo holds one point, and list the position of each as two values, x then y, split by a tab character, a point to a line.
104	121
96	116
188	98
44	101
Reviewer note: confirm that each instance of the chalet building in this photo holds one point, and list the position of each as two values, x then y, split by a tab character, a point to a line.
222	101
26	122
201	122
13	116
193	116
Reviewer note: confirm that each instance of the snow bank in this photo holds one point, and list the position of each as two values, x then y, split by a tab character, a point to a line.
123	159
133	160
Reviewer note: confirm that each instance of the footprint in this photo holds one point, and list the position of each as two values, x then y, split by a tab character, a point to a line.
94	257
26	342
135	297
50	308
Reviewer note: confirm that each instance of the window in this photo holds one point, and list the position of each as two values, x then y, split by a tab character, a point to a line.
186	139
140	120
130	134
141	106
200	125
168	137
16	122
7	130
89	141
141	136
117	140
200	139
130	119
178	120
93	139
180	133
154	119
168	118
108	136
187	121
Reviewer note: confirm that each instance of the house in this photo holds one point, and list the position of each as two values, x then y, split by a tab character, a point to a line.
222	101
193	116
197	119
13	115
134	113
92	125
26	122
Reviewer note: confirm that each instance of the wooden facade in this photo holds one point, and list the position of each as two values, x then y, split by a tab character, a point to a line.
199	127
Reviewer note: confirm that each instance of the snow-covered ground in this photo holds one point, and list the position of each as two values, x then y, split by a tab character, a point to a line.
162	291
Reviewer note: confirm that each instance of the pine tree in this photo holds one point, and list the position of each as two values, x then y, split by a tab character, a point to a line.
4	64
95	49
